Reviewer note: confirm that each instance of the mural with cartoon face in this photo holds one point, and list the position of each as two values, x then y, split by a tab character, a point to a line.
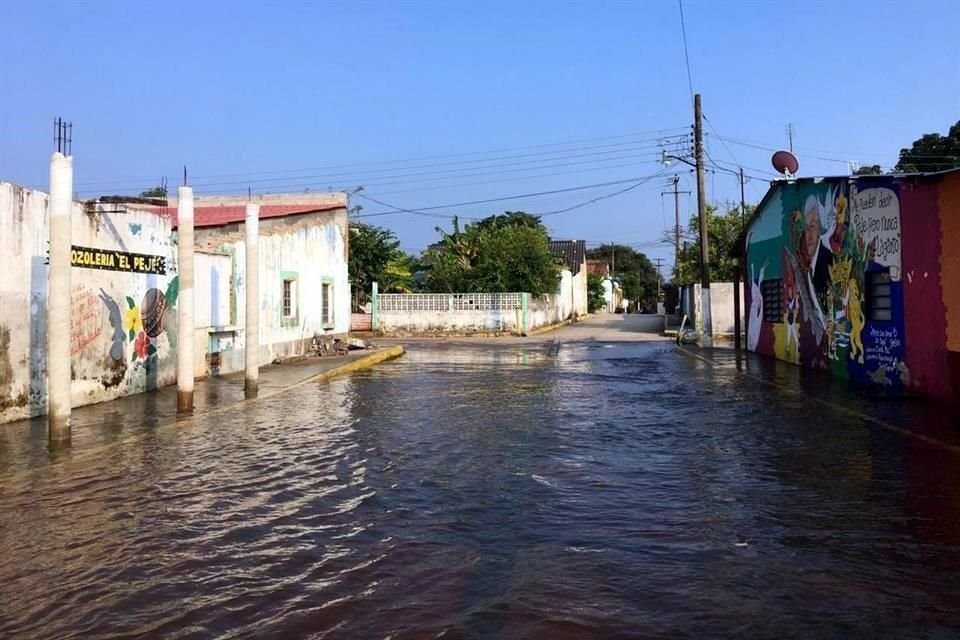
834	249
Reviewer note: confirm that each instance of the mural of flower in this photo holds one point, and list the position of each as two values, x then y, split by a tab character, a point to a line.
163	346
141	345
131	320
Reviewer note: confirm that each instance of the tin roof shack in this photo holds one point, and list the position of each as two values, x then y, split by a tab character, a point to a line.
303	279
859	276
123	300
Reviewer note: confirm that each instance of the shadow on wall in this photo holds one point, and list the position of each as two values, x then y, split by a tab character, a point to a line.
37	393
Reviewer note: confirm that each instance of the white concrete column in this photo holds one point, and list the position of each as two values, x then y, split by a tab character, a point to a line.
707	339
252	283
185	303
58	300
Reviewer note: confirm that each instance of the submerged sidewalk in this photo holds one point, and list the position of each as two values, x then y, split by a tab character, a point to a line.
213	394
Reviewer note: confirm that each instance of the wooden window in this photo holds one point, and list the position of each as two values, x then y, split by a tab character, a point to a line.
326	303
878	296
289	302
772	292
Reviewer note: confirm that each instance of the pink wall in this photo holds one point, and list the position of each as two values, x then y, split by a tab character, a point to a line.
924	312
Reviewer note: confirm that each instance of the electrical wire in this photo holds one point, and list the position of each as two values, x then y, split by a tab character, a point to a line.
686	52
395	210
657	133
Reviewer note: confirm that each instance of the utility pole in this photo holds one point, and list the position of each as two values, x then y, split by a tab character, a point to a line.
707	339
659	260
676	227
251	328
743	202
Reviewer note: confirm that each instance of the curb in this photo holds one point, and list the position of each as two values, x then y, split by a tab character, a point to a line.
360	363
546	328
366	362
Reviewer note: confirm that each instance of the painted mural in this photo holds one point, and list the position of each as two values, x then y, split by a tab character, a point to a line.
824	262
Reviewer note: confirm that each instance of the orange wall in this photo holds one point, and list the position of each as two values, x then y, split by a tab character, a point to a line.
950	256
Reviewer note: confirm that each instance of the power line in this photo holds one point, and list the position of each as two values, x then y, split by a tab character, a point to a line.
638	180
658	134
686	53
442	174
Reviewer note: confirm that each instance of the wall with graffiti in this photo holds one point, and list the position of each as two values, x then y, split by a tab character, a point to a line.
825	288
123	300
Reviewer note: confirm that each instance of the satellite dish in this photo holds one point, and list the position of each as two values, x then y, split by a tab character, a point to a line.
785	162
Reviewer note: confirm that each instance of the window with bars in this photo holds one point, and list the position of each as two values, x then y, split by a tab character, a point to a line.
772	292
878	295
326	303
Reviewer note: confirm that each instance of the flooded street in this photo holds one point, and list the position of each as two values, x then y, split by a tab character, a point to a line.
569	488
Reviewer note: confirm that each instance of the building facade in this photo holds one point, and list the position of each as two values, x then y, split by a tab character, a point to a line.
860	276
125	290
303	280
124	294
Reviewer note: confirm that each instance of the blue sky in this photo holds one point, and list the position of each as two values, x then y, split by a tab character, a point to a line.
405	98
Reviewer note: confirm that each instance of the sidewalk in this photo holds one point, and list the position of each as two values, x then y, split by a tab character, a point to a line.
213	395
924	419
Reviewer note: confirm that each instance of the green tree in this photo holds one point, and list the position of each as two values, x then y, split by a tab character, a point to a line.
397	276
636	273
723	231
371	250
869	170
501	253
155	192
932	152
595	299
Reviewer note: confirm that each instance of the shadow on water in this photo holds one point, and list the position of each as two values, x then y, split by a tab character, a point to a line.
492	490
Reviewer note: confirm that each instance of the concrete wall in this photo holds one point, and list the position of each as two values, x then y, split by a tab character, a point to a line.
123	330
580	292
431	314
547	310
721	307
311	250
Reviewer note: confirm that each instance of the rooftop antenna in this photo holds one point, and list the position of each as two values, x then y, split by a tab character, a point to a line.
790	135
63	136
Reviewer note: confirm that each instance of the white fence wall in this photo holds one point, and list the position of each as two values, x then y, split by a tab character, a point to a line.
442	313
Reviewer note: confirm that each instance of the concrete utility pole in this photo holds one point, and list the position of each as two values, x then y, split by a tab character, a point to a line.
185	304
58	300
252	277
707	340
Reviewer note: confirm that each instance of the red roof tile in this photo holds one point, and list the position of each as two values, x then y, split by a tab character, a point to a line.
214	216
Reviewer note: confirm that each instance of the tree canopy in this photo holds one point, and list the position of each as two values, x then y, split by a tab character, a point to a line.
501	253
636	273
869	170
723	231
372	251
155	192
932	152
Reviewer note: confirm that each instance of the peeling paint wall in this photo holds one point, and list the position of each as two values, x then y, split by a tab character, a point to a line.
308	250
123	334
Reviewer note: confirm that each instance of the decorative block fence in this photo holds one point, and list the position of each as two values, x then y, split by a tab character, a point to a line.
441	313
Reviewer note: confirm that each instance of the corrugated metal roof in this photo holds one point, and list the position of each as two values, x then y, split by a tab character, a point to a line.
215	216
572	252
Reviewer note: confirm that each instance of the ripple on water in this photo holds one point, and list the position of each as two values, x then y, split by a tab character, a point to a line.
490	493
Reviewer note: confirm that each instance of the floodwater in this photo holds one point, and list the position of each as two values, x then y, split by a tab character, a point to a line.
494	490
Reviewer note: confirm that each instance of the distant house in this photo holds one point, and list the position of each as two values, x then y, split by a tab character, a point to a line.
304	286
573	255
598	268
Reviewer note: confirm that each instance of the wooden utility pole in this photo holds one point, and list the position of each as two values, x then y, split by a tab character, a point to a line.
707	339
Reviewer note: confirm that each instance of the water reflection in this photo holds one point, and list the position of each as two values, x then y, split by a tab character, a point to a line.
490	491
